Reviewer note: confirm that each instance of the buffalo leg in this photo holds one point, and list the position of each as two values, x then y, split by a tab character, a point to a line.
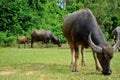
24	45
73	58
76	59
74	54
46	45
28	45
98	66
32	43
46	42
83	58
18	45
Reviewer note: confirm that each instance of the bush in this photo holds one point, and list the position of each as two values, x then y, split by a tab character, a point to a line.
2	38
7	41
24	16
74	7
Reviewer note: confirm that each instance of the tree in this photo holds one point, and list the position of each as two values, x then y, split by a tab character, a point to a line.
62	4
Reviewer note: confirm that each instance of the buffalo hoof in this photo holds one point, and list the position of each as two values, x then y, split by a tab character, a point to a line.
83	63
74	70
107	72
98	69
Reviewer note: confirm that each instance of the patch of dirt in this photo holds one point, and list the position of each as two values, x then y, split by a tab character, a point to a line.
7	72
30	72
42	77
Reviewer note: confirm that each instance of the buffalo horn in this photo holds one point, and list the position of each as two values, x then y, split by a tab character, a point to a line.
93	46
117	42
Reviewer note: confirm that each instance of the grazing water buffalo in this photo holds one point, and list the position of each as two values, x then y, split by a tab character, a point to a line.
44	36
81	28
115	33
23	40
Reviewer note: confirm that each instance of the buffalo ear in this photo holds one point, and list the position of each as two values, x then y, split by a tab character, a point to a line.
93	46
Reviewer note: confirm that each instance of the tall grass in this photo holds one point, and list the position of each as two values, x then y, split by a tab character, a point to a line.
50	64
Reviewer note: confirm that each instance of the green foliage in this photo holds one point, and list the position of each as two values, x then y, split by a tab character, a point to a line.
23	16
2	38
6	40
74	7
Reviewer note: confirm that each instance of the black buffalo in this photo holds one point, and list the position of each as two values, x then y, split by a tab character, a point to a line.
81	28
115	33
44	36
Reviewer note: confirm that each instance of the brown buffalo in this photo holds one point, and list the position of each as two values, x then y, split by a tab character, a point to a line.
81	28
23	40
44	36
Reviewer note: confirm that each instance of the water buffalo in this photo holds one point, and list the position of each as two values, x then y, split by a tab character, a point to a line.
23	40
81	28
114	34
44	36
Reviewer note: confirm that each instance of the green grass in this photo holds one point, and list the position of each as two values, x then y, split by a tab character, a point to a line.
50	64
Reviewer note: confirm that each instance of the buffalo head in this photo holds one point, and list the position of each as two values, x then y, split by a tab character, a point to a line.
58	42
104	54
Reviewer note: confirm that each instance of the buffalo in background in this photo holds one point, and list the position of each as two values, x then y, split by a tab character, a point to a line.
115	33
23	40
81	28
45	36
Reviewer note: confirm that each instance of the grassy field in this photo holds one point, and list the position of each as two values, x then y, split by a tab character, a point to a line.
50	64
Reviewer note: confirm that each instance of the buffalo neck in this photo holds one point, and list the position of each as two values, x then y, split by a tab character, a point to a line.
98	37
